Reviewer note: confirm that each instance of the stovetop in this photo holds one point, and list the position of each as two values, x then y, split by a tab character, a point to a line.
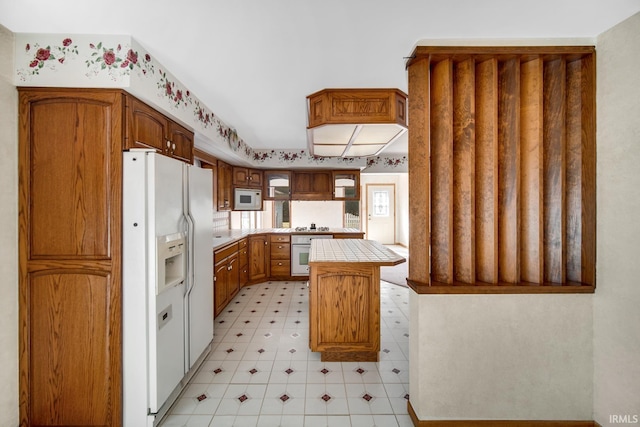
311	229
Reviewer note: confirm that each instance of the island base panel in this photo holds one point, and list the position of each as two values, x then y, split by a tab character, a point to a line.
350	356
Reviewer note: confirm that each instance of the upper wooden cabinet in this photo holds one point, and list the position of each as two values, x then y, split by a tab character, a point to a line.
180	143
346	185
244	177
147	128
277	185
225	186
312	185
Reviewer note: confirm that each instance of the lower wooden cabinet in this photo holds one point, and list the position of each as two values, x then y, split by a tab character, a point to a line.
280	255
344	312
226	277
243	261
258	257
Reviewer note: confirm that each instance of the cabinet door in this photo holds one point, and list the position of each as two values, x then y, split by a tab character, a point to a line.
244	177
181	143
70	257
224	186
255	178
258	250
346	185
312	185
147	128
240	176
233	284
220	287
277	185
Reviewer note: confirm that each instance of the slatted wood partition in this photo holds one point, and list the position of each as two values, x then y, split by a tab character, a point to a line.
502	169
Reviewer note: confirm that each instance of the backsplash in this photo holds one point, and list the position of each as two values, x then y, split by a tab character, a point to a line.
221	221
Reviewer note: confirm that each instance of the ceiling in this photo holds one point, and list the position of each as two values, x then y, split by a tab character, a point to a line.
253	62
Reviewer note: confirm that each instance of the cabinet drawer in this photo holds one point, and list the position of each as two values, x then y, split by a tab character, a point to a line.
280	251
243	257
280	238
225	252
280	268
243	243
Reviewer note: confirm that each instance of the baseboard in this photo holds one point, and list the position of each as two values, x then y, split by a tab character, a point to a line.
496	423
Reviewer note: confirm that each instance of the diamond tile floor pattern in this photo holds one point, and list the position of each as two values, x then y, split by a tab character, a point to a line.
261	373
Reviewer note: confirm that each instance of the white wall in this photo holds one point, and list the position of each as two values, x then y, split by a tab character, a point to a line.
509	357
8	234
617	297
401	181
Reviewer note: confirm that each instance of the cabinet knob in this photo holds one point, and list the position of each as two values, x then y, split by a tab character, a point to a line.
265	243
230	268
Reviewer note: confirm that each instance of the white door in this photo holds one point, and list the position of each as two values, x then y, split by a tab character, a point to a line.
381	213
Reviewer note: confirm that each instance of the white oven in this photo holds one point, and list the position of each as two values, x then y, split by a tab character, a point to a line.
300	247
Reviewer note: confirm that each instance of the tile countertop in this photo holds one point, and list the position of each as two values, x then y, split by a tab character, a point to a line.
352	251
224	237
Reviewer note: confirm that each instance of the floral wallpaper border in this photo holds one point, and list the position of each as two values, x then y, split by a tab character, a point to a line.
119	61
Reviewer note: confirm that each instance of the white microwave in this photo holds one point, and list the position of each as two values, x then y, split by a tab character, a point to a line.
247	199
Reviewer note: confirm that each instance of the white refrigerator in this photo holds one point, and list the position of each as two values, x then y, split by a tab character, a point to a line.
167	281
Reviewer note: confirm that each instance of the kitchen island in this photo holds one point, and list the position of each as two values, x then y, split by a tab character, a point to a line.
344	298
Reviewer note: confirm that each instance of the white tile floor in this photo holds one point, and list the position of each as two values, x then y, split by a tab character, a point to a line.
261	373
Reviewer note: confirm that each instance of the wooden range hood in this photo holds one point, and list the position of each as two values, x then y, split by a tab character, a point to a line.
355	122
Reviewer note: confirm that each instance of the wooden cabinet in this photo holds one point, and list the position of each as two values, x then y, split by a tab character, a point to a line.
247	178
277	185
344	312
147	128
225	186
280	255
70	208
346	184
258	257
180	143
312	185
226	277
243	261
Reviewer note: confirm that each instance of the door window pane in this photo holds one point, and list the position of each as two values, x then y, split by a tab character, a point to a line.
380	203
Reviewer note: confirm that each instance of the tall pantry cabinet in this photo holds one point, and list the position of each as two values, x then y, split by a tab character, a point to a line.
70	202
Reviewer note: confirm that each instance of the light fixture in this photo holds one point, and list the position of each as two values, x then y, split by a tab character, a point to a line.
355	122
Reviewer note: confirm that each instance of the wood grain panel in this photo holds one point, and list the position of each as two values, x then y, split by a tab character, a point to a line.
70	169
419	187
441	122
464	256
487	171
588	124
533	169
509	171
574	171
344	307
69	331
70	175
531	134
554	171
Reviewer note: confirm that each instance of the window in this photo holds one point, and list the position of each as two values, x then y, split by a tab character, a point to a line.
352	214
281	214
